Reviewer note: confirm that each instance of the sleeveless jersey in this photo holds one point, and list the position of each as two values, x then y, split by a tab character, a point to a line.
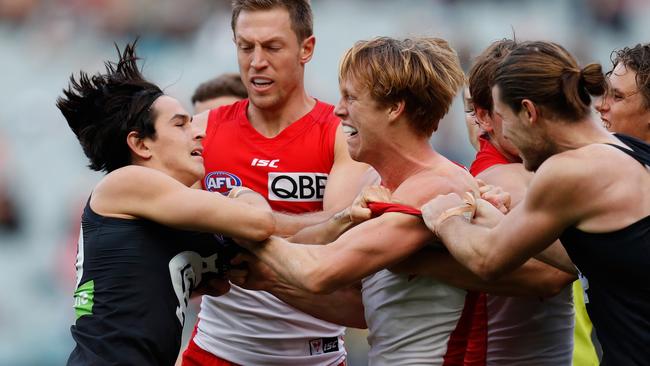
134	279
616	279
522	330
414	320
290	170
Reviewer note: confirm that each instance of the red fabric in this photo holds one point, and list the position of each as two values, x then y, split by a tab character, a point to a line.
197	356
380	208
486	157
298	159
458	340
476	353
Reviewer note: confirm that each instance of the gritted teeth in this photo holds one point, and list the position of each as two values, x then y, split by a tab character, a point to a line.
349	130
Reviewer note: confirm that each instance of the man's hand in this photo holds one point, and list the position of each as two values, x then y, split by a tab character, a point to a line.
359	211
212	286
254	276
495	195
433	210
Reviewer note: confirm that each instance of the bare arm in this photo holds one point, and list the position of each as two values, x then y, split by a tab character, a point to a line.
531	227
531	279
365	249
139	192
345	173
344	306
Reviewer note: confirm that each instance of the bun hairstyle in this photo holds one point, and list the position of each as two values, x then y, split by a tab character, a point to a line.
547	74
102	109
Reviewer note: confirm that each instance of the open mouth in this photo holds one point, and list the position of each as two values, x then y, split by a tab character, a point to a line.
349	130
197	152
261	82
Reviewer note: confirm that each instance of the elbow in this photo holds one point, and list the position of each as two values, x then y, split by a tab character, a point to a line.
264	227
486	270
555	284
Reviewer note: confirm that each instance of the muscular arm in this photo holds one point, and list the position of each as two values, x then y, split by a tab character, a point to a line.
139	192
529	228
363	250
531	279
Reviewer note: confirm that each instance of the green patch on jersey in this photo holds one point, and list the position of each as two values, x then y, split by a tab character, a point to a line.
83	299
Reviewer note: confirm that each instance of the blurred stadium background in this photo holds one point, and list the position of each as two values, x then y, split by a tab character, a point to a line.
43	176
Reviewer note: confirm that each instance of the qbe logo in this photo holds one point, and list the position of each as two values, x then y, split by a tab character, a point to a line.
297	187
221	182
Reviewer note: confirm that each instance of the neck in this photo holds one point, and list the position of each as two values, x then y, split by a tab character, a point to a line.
402	158
271	121
574	135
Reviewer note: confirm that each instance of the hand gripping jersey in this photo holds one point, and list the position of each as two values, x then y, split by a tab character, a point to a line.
521	330
134	279
290	170
414	320
616	279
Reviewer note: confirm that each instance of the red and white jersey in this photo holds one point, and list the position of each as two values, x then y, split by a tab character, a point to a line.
415	320
290	170
522	330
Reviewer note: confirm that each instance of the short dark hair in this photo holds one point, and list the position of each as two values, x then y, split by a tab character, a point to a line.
302	19
637	59
550	77
224	85
482	73
103	109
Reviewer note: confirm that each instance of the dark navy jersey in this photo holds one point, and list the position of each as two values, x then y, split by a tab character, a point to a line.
134	279
616	269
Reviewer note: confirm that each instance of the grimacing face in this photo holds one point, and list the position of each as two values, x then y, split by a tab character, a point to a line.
531	140
363	120
270	57
176	147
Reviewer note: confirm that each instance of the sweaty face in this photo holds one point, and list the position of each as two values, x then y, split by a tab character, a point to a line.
268	53
364	121
176	148
622	109
531	140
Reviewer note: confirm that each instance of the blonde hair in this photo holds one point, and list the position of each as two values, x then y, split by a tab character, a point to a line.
423	72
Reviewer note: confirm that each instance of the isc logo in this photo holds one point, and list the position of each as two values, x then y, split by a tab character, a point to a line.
269	163
297	187
221	182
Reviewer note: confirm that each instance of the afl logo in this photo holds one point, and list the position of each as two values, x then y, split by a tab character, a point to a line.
221	182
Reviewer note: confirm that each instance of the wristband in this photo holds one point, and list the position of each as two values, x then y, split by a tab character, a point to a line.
467	210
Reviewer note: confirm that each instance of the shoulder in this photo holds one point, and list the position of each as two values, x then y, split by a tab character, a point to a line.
131	178
426	185
222	113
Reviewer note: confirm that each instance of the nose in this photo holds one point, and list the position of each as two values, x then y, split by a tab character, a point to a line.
197	133
340	111
258	59
601	104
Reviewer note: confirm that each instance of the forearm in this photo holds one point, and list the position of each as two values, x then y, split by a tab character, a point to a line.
326	231
293	263
343	307
556	256
532	279
287	224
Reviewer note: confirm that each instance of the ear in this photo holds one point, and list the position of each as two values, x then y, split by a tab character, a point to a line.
138	146
307	49
484	119
530	112
395	110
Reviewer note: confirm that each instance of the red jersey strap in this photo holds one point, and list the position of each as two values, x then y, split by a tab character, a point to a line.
380	208
486	157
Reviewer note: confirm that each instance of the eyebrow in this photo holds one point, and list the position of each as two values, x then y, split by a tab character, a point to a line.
181	116
266	41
